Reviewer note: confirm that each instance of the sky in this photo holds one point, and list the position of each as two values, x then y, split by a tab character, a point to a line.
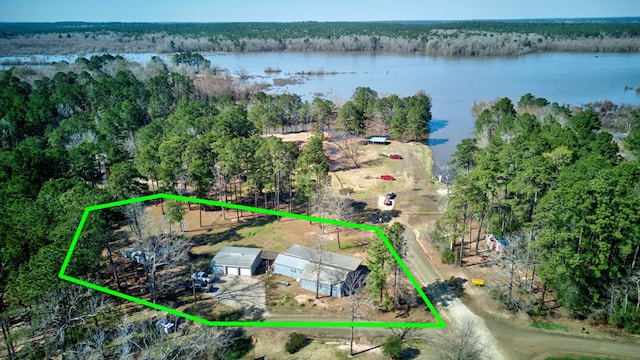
306	10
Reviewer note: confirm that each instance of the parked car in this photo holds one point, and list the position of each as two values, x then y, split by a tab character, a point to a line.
395	157
135	254
166	326
198	285
202	276
201	286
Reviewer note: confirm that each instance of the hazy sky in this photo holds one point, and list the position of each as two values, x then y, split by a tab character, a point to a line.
304	10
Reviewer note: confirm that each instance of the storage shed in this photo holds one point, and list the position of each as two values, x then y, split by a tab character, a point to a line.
232	260
380	140
299	263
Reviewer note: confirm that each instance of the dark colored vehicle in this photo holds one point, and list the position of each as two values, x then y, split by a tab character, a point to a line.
388	198
198	285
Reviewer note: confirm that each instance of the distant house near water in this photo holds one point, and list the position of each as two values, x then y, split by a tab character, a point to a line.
298	262
232	260
496	243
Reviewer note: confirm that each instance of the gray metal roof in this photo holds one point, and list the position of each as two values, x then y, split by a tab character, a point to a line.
328	275
291	261
236	256
331	260
378	139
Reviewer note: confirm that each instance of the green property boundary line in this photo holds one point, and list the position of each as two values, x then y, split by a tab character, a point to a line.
439	324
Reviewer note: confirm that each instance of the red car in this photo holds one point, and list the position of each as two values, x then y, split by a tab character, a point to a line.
387	177
395	157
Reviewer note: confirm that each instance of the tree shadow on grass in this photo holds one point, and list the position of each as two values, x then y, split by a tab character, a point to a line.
231	234
366	350
373	162
363	214
410	353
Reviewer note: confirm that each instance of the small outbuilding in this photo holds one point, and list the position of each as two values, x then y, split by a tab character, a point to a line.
496	243
233	260
379	140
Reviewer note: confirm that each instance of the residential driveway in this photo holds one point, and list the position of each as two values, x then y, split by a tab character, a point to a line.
243	292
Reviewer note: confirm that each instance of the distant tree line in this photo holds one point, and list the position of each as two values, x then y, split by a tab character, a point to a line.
312	29
466	38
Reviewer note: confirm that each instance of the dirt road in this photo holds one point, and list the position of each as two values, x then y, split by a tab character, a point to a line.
455	310
528	343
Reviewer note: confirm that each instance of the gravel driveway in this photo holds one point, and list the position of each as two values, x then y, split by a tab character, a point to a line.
244	292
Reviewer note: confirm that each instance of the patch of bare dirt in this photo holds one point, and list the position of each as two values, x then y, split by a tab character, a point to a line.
306	299
299	137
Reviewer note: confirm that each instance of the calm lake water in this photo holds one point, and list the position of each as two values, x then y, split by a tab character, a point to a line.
453	83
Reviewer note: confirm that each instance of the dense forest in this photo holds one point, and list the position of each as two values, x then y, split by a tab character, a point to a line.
463	38
99	134
564	195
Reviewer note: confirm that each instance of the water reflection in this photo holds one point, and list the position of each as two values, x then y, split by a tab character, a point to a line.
434	141
437	124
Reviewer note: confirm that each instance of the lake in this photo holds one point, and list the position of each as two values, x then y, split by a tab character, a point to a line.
452	83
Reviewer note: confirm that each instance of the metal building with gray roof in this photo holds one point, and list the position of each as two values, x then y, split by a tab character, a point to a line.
233	260
298	262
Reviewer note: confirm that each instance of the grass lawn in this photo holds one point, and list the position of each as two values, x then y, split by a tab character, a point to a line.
413	176
549	326
275	236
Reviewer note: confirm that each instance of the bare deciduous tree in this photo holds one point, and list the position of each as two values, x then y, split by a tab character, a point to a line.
207	342
353	288
444	174
125	333
459	341
63	310
352	148
340	208
318	255
201	342
320	200
512	256
163	251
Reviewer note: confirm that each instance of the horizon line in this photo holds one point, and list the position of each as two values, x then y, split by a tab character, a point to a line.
637	18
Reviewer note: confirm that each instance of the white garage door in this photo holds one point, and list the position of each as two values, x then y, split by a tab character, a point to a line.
232	270
245	271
